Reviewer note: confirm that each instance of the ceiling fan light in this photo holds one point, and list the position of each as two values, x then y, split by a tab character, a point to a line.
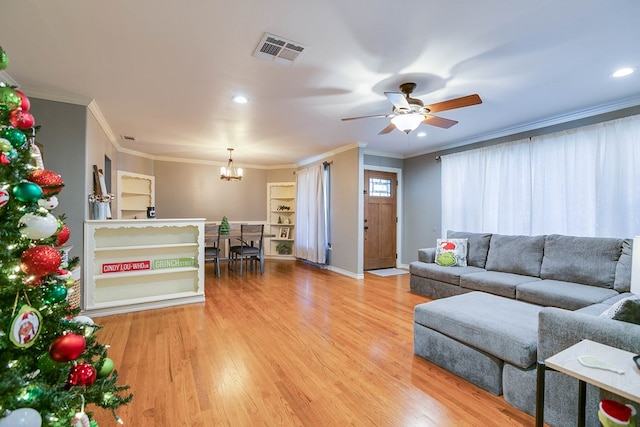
407	122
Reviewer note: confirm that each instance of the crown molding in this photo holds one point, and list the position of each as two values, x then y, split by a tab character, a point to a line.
56	96
338	150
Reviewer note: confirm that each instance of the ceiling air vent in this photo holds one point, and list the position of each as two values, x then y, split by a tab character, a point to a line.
128	138
278	49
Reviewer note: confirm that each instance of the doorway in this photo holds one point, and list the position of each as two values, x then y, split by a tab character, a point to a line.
380	219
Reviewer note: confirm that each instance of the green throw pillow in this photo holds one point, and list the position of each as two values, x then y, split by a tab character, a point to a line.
625	310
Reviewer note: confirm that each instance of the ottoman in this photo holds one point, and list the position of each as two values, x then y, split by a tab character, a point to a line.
472	335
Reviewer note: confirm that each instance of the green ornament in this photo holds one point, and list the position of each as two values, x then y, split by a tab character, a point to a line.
93	423
107	368
55	293
4	59
27	192
29	394
224	225
16	137
9	98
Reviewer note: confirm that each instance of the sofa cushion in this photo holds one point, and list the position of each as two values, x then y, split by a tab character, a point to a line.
477	246
495	282
567	295
622	282
587	260
451	252
502	327
593	309
433	271
516	254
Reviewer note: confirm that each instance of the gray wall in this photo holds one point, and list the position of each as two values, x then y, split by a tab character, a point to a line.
63	134
187	190
345	233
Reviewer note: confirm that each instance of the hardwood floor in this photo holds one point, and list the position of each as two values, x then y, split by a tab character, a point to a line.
297	346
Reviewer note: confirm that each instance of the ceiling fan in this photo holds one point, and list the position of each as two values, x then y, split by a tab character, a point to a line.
408	113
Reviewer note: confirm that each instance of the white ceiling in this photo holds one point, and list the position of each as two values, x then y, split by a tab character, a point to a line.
165	72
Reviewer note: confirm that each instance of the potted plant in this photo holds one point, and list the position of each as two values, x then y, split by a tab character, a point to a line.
284	248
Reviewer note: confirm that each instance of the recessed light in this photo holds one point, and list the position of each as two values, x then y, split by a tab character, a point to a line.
421	134
240	99
622	72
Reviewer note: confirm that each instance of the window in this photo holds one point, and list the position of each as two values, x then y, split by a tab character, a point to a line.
379	187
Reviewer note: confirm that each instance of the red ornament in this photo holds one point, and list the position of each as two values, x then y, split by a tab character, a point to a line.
68	347
25	104
50	182
63	235
40	260
21	119
83	374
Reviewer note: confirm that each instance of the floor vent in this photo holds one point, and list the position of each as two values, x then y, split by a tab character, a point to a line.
278	49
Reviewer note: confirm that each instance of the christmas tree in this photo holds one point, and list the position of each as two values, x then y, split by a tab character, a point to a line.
52	363
224	225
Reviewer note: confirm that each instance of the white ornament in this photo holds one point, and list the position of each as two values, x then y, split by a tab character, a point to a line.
87	322
23	417
80	420
38	227
49	203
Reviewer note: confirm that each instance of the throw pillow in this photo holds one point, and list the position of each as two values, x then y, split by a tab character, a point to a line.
625	310
450	252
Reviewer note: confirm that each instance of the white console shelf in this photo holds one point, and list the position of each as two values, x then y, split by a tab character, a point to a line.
133	265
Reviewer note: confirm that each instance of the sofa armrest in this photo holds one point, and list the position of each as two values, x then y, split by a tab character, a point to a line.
559	329
427	254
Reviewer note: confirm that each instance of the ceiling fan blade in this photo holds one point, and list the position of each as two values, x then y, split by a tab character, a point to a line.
397	99
387	129
367	117
464	101
438	121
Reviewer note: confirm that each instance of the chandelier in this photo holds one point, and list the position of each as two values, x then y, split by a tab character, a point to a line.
230	172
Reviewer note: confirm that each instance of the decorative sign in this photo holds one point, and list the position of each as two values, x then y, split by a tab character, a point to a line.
122	267
173	263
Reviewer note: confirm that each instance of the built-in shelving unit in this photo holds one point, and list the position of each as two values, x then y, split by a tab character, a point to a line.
281	214
133	265
136	192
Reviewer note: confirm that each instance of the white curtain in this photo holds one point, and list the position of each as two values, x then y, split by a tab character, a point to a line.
310	229
581	182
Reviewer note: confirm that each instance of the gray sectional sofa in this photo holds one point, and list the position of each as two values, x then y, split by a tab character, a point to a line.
521	299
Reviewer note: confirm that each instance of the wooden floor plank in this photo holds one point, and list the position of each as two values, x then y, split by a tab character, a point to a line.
297	346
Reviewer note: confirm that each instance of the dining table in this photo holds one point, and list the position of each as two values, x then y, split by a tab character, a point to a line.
211	237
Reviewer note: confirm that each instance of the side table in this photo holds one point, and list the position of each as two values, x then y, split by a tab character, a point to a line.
626	385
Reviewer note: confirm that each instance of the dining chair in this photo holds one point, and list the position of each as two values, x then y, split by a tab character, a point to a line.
212	245
250	247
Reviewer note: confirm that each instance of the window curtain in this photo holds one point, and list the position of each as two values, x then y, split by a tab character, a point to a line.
310	229
581	182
